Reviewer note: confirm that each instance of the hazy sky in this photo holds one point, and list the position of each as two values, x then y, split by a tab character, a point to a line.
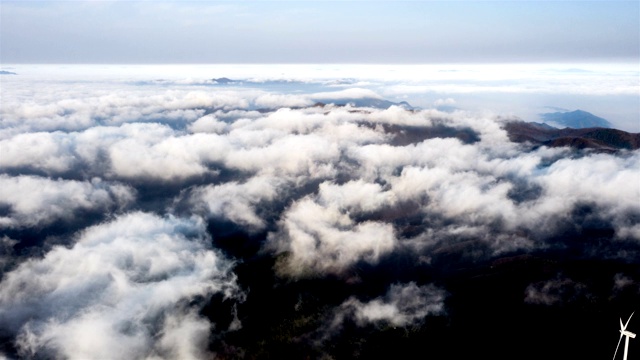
318	31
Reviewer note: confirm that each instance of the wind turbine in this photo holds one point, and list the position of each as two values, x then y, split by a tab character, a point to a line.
627	334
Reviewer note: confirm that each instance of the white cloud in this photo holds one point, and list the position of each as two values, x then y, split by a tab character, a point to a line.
147	151
121	291
169	159
322	239
76	108
295	155
402	305
51	152
355	196
36	201
237	202
208	124
397	115
606	181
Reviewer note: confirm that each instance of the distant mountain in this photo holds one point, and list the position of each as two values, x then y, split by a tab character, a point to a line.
223	80
578	119
3	72
376	103
600	139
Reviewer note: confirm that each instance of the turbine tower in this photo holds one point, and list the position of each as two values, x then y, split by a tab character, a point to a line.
627	335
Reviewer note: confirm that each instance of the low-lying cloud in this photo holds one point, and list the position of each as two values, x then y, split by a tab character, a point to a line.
35	202
162	222
402	305
322	239
124	289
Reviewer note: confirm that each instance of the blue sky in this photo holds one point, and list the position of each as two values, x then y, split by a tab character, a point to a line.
318	32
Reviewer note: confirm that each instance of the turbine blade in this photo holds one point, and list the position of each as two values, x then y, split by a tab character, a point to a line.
622	327
617	346
625	325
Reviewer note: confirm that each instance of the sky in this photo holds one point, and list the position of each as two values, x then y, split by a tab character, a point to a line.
149	210
318	31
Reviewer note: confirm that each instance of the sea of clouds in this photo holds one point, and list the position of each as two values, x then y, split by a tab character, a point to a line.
118	187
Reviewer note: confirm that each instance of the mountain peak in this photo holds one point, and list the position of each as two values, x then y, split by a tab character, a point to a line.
577	119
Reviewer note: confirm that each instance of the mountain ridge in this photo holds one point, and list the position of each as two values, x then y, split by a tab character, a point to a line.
597	138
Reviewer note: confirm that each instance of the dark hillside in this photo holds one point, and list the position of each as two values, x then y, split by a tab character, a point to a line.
601	139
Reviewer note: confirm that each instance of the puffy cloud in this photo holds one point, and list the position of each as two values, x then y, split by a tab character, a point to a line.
49	152
237	202
355	196
402	305
35	201
295	155
157	152
463	195
397	115
609	182
173	158
303	121
122	290
323	239
130	151
208	124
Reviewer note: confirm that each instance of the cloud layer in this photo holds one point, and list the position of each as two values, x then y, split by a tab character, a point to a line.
211	219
